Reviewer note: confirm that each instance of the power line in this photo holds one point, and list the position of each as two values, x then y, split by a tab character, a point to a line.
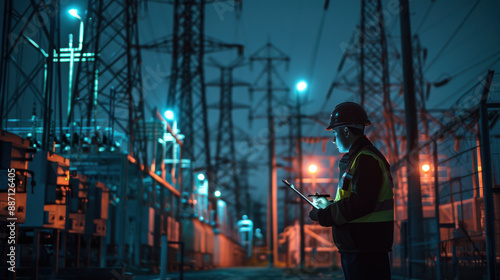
478	63
426	14
441	19
453	35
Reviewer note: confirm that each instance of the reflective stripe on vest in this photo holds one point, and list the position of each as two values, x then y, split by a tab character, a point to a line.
384	208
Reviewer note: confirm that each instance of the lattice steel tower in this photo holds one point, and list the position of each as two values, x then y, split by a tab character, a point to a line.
30	38
187	94
369	78
104	56
114	36
270	82
227	167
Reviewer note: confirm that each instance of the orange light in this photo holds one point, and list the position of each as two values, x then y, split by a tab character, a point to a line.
313	168
426	167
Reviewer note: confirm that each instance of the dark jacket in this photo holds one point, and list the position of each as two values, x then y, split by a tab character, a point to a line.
374	237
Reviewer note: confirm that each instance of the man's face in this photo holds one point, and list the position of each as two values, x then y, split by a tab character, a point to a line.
340	135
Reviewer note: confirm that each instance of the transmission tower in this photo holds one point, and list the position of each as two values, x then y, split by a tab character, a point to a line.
374	74
227	167
271	57
31	33
369	76
112	29
104	57
187	95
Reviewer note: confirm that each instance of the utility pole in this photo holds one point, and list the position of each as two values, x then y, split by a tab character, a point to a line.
301	185
415	217
271	56
489	207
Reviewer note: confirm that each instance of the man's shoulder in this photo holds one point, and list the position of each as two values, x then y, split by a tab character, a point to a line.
371	153
367	159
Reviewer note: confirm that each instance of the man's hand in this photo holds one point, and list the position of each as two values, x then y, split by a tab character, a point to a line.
313	214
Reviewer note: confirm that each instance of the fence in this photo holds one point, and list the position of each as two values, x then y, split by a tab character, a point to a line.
459	183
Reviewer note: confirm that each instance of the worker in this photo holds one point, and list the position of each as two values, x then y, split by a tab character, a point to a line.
362	213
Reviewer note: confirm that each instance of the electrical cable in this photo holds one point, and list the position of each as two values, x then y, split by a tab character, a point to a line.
426	14
157	54
447	98
453	35
314	54
474	78
432	25
478	63
300	11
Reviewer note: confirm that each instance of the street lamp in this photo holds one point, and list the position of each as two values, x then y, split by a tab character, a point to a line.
74	13
71	55
201	176
300	88
313	168
217	193
169	114
426	167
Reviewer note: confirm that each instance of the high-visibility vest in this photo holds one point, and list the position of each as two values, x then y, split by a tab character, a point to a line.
384	208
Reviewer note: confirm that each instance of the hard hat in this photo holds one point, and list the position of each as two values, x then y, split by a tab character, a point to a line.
349	114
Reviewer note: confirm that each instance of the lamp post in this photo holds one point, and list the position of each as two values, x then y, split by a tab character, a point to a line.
74	13
169	114
301	87
72	55
71	50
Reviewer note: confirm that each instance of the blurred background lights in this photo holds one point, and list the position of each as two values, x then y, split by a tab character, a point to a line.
313	168
426	167
201	177
217	193
169	114
74	13
301	86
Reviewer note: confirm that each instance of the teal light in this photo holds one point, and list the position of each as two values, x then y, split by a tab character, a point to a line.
301	86
217	193
74	13
201	177
169	114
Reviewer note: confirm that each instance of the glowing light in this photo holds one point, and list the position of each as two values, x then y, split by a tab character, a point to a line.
301	86
426	167
201	177
169	114
313	168
74	13
217	193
